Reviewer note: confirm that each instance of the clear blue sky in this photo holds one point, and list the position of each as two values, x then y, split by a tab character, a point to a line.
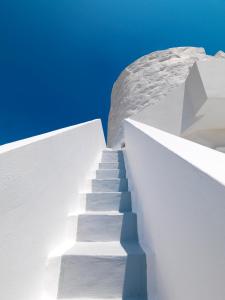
59	58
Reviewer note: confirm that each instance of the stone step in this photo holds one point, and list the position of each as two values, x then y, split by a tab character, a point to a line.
113	151
106	261
134	298
111	165
106	226
102	270
110	185
119	201
111	173
112	156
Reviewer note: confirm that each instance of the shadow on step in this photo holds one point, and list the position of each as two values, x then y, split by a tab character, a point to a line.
135	278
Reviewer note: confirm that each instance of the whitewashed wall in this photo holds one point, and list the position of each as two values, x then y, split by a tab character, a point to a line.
145	83
178	189
40	179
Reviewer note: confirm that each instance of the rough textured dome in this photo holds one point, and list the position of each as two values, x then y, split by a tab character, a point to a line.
220	54
145	82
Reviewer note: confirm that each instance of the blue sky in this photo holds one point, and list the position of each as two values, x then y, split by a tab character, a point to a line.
59	58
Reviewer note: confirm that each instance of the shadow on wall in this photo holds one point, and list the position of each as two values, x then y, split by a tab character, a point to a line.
135	273
135	277
180	187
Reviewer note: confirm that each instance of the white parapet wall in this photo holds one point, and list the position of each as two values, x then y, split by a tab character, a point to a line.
178	189
40	179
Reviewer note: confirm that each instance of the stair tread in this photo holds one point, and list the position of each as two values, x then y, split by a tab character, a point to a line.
108	193
95	263
115	164
112	162
105	249
121	298
105	213
115	169
111	150
110	179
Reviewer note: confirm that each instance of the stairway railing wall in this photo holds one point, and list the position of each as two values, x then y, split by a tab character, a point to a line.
178	192
40	179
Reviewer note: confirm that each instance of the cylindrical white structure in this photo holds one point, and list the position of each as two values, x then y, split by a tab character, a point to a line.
146	82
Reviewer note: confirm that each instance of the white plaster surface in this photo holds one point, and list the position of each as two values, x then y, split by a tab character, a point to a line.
88	272
194	110
117	201
103	249
106	260
220	54
165	115
146	82
40	179
106	226
178	190
204	101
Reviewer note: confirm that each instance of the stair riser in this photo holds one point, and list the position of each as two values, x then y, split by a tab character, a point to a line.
106	228
111	165
108	174
92	267
101	277
106	159
109	185
112	155
107	202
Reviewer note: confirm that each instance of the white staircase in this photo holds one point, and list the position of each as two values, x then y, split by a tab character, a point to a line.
106	260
